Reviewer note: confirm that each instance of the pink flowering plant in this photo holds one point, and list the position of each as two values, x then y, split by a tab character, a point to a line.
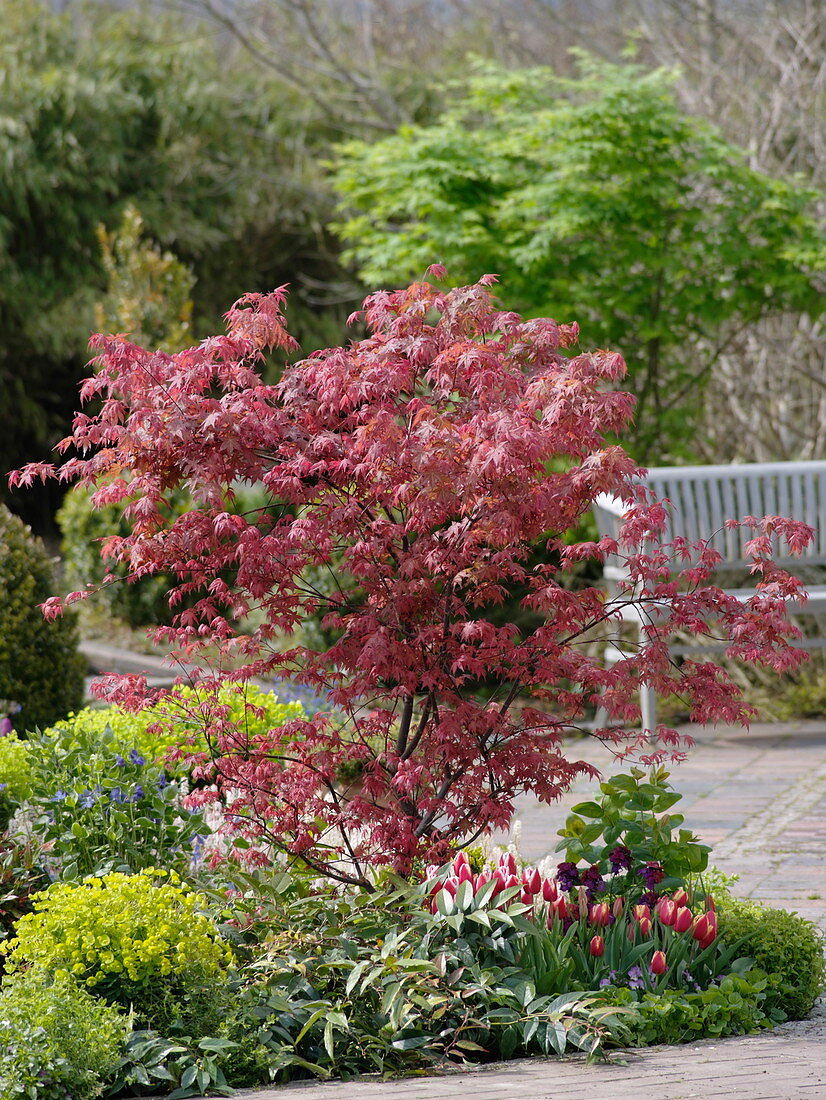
569	942
430	469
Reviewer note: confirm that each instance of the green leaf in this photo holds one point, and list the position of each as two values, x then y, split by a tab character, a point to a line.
587	809
464	896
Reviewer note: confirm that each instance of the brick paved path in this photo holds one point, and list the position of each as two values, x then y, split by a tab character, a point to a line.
785	1064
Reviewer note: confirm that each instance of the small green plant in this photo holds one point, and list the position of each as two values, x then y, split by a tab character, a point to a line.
736	1006
629	834
190	1068
132	939
56	1039
101	807
40	667
22	875
785	945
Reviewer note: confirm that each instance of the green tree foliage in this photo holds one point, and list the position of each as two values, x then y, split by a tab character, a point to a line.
100	109
594	198
148	294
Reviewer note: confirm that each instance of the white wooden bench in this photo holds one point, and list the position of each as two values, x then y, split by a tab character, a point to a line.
702	499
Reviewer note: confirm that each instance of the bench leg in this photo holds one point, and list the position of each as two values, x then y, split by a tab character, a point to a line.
648	709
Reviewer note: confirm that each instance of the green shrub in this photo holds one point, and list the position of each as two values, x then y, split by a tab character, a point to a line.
255	711
132	939
84	527
785	945
40	667
56	1039
15	776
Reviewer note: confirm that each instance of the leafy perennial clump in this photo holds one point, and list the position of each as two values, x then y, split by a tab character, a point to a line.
56	1039
120	934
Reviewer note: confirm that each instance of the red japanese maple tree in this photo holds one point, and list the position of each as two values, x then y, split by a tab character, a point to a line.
423	466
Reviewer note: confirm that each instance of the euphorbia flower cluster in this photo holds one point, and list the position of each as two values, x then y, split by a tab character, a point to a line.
430	469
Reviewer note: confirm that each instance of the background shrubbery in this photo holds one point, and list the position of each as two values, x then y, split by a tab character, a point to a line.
40	668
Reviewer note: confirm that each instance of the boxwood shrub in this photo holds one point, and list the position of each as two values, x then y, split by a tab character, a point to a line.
786	946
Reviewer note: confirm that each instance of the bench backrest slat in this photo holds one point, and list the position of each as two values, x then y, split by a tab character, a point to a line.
704	497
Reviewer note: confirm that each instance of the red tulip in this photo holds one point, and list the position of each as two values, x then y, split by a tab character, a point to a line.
683	920
464	873
560	908
508	863
451	885
700	929
641	911
600	914
549	890
460	861
597	946
619	905
711	935
511	881
680	898
645	927
533	881
659	965
710	903
526	897
500	883
666	910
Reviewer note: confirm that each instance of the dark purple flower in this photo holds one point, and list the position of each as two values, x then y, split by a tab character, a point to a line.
567	875
593	881
649	898
620	858
651	874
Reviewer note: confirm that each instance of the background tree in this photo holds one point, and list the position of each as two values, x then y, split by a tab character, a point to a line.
596	198
103	108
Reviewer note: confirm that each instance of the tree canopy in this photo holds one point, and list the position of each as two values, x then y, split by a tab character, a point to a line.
597	198
98	113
